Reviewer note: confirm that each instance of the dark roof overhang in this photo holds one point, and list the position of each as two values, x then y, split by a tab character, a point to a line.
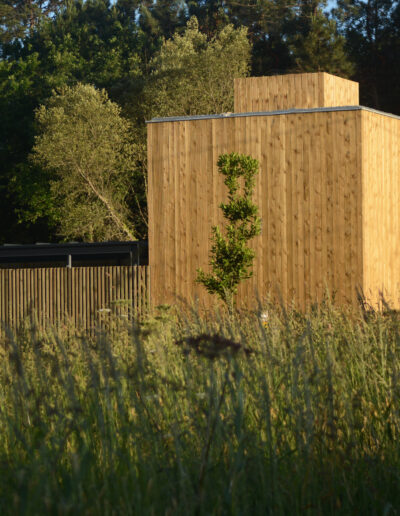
8	252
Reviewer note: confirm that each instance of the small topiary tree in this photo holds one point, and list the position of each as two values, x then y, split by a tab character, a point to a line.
230	257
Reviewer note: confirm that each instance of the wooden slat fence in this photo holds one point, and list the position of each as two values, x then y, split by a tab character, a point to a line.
82	296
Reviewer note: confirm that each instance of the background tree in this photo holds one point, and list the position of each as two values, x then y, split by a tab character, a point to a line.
163	18
290	35
316	44
19	18
189	75
212	15
372	32
230	257
268	22
153	64
192	75
85	145
93	42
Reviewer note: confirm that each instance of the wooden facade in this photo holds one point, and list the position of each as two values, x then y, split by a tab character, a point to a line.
328	193
294	91
381	207
82	296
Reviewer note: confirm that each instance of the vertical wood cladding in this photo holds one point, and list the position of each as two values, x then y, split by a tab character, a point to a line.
81	296
294	91
309	192
381	209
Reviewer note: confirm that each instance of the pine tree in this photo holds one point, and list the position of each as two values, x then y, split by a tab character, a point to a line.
162	18
372	32
19	18
317	46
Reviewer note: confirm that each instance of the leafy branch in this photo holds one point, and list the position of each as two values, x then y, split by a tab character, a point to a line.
231	257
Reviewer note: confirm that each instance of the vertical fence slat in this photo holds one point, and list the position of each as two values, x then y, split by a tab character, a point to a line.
79	295
56	293
90	298
14	296
2	303
129	291
77	318
82	288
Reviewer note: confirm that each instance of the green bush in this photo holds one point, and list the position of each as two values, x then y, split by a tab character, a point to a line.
231	257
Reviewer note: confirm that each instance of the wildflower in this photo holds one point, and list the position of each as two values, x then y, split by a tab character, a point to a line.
264	317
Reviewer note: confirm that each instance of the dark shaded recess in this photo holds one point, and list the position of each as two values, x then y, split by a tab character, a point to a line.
74	254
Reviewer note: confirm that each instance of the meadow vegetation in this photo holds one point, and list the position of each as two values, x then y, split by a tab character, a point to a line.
213	414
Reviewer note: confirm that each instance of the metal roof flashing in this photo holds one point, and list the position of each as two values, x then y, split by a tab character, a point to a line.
269	113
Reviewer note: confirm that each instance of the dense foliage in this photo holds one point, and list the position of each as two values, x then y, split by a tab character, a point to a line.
86	148
153	58
204	416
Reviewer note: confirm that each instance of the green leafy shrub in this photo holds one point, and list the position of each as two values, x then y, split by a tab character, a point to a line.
231	257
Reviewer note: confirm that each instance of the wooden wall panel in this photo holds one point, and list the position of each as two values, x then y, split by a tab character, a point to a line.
381	207
308	192
300	91
82	296
338	91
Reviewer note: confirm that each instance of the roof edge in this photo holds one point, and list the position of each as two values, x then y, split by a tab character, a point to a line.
269	113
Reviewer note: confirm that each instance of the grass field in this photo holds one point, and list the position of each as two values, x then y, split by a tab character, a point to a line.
194	415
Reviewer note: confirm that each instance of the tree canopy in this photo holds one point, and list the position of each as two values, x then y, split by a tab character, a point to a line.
153	58
192	75
85	146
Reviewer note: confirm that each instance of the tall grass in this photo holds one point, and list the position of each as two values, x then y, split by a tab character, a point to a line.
213	415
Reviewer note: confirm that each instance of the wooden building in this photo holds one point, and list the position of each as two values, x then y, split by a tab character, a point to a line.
328	193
